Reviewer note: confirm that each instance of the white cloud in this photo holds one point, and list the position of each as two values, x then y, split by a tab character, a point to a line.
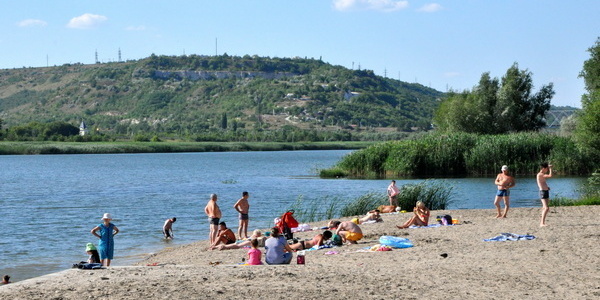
86	21
379	5
135	28
431	7
32	23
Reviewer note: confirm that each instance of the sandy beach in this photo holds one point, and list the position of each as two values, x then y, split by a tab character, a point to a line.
453	262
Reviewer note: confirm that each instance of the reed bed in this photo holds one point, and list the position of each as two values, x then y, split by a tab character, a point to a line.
17	148
435	195
463	154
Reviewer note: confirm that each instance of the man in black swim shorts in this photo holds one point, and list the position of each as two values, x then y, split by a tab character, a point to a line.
242	207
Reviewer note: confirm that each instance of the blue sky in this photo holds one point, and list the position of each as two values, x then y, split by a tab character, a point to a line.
441	44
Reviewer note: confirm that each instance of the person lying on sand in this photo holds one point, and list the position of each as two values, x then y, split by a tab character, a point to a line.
421	217
317	240
224	236
371	215
256	235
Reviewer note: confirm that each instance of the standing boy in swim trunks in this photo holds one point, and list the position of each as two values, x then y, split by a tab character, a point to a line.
545	172
242	206
504	183
213	212
350	232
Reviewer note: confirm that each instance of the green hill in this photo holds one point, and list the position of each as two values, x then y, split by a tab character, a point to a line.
187	95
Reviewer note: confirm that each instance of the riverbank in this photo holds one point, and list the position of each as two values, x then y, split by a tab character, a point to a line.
445	262
19	148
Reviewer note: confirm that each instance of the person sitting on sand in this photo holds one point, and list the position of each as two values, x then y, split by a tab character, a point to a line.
254	254
372	215
421	217
91	250
278	252
5	279
256	235
318	240
349	231
225	236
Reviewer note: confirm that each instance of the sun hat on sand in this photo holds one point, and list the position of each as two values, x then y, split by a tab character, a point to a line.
107	216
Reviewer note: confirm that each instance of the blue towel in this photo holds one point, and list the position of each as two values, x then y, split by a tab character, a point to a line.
510	237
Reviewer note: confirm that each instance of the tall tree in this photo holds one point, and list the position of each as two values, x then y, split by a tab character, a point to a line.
588	125
497	106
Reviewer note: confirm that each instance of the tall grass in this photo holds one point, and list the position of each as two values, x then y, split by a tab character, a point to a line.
363	204
435	195
463	154
47	147
315	209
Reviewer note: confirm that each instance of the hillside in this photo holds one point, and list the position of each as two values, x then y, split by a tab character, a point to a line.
186	95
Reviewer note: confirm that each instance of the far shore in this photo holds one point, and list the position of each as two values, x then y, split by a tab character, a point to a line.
446	262
48	147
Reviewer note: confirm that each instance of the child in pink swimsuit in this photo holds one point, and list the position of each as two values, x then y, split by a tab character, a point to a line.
254	254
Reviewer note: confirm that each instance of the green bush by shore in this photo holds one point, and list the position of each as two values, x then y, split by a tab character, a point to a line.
14	148
464	154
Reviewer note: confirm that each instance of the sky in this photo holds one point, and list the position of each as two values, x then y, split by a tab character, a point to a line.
446	45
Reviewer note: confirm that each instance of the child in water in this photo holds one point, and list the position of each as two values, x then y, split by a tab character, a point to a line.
254	255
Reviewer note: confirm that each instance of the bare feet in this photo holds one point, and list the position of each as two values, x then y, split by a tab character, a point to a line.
543	225
400	227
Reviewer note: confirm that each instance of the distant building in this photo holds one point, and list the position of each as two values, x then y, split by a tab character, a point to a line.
83	129
350	95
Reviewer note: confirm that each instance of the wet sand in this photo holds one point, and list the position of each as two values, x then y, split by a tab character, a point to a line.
454	262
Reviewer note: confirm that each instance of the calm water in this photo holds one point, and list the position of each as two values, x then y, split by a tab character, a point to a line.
50	203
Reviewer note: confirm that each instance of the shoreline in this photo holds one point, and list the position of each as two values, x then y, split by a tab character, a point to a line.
560	263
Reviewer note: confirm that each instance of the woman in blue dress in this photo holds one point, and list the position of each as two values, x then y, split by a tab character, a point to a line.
105	232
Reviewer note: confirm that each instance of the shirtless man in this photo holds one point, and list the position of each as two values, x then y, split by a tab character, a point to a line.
545	172
225	236
242	208
349	232
168	228
504	183
213	212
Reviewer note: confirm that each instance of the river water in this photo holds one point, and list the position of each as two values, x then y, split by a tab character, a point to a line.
49	204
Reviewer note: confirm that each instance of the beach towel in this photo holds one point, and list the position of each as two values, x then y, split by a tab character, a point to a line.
510	237
316	247
394	241
428	226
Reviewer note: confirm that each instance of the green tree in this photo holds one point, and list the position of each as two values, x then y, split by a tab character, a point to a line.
588	126
496	106
224	121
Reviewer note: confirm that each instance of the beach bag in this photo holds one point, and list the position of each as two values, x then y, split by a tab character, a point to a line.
87	266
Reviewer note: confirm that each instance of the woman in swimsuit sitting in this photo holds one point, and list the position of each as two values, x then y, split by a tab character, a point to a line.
317	240
421	217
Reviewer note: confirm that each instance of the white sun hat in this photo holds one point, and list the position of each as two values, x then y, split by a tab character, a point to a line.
107	216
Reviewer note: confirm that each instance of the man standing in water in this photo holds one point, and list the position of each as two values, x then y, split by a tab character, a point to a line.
242	208
504	183
392	192
213	212
545	172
